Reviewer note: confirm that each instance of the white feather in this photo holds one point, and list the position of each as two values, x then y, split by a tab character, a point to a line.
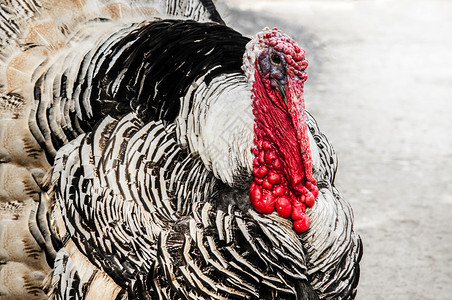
220	126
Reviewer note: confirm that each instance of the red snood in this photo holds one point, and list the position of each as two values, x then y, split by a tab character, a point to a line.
282	167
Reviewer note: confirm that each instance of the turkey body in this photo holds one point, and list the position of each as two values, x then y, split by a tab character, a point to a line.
135	129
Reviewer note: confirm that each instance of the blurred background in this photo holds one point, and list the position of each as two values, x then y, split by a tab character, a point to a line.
380	86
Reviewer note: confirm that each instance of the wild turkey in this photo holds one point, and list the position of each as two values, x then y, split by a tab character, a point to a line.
150	151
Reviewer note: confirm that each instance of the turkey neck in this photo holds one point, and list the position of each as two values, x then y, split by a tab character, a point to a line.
274	128
283	165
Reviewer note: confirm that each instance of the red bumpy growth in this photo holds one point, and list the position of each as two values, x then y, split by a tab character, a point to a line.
282	167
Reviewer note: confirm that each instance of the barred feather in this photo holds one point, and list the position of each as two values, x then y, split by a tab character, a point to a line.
125	162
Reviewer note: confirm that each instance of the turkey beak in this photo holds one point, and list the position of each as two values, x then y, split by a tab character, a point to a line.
282	91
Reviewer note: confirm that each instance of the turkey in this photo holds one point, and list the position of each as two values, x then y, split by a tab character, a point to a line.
149	151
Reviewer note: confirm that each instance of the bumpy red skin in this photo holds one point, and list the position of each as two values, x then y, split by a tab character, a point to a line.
282	167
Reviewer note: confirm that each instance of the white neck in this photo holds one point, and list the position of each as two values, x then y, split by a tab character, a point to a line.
219	126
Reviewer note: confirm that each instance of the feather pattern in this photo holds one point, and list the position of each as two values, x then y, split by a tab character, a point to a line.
131	176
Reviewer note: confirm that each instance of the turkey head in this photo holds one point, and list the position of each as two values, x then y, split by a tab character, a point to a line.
275	67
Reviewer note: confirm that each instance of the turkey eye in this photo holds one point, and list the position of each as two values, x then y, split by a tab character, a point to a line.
275	59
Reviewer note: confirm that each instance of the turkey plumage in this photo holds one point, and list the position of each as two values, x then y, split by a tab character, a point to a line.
163	155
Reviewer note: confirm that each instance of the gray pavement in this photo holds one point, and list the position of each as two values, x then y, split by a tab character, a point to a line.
380	86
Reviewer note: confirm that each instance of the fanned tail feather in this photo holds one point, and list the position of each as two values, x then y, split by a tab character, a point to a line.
33	35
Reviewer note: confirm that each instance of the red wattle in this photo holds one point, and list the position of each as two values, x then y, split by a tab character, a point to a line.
283	207
270	156
315	191
277	164
261	158
258	180
309	200
255	150
298	210
255	194
267	205
282	168
274	178
302	224
267	185
263	202
278	191
260	172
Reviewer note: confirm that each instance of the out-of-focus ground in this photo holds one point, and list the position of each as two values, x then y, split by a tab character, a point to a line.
380	86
